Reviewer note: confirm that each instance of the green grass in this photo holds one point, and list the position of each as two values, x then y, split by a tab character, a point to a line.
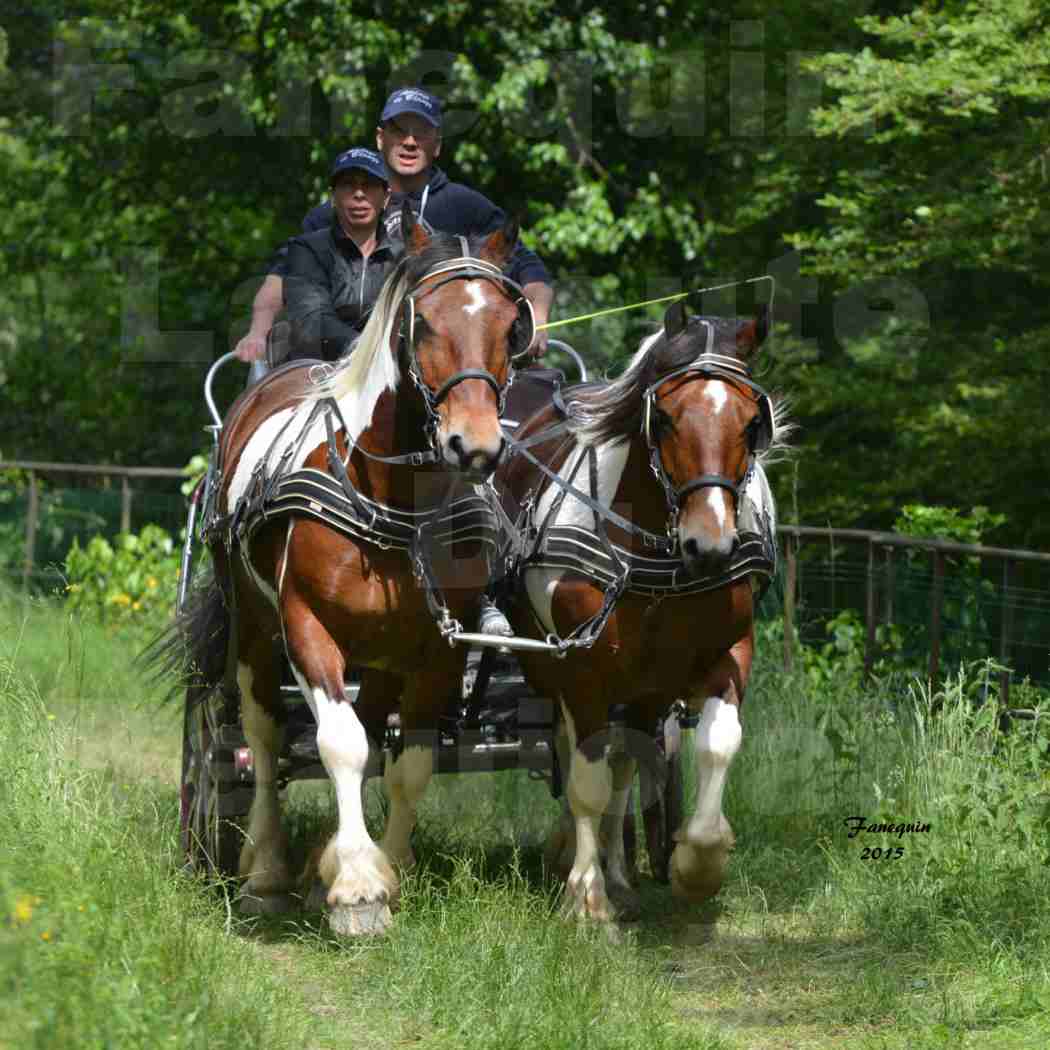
809	945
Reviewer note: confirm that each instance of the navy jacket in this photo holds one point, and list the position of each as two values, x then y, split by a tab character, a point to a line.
330	288
449	207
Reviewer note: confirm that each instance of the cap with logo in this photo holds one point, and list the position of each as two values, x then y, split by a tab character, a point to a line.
412	100
360	159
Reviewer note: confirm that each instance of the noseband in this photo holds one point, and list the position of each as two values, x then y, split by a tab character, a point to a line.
708	365
464	268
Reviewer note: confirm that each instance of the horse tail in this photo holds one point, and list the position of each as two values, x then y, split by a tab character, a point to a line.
190	653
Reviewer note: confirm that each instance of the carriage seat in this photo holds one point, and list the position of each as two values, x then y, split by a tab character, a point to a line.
532	389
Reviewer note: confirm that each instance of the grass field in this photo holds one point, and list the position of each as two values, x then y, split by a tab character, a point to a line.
104	942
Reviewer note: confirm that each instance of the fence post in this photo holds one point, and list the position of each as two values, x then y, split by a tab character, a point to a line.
789	603
32	513
935	617
891	582
1004	636
125	504
869	612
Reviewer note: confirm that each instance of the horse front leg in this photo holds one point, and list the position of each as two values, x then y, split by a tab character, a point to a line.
264	855
589	789
559	852
362	885
407	775
618	882
705	840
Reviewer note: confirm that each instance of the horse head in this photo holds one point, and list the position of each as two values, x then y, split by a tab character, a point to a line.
463	321
705	421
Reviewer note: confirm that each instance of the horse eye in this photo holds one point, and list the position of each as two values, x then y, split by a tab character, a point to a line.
752	432
662	421
516	336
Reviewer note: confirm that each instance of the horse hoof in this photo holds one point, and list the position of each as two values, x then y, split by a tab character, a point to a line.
360	920
627	903
249	903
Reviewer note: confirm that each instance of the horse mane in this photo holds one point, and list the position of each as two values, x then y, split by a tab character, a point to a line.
612	412
358	380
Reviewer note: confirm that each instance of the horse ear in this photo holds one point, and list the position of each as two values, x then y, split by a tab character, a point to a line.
499	245
750	335
675	320
412	232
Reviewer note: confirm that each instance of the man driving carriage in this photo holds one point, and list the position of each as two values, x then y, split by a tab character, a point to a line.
408	136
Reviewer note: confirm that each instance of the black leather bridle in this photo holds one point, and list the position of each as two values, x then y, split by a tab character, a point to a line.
708	365
464	268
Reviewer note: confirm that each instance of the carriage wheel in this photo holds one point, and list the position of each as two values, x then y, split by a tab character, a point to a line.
214	803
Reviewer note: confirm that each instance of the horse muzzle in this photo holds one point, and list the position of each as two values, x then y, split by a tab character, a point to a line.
706	557
477	460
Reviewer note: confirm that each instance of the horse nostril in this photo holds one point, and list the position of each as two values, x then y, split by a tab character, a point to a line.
456	444
691	549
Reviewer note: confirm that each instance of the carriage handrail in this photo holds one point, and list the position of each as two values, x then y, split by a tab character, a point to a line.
208	379
557	344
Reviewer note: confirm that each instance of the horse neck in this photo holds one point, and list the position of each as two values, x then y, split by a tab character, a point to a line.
398	428
639	496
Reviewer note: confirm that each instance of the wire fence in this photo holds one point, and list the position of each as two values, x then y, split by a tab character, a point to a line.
925	603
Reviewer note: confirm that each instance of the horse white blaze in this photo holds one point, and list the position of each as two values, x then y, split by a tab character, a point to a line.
716	393
477	298
717	741
405	780
716	502
353	866
263	856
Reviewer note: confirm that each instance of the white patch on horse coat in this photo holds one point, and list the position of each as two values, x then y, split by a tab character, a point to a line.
717	741
477	298
260	443
343	746
540	584
589	790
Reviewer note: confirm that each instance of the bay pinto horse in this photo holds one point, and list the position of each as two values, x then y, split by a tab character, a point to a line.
452	323
663	433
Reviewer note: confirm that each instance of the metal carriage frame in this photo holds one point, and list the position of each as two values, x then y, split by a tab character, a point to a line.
499	725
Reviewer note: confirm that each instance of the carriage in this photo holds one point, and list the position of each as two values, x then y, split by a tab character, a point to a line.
337	542
498	724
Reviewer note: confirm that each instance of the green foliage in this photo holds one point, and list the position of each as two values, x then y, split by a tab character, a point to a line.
947	523
194	471
101	943
842	656
131	581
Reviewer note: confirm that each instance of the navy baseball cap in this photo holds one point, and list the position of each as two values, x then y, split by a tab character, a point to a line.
360	159
412	100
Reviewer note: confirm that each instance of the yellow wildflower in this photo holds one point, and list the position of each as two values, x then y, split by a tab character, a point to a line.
151	582
46	935
24	909
136	606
